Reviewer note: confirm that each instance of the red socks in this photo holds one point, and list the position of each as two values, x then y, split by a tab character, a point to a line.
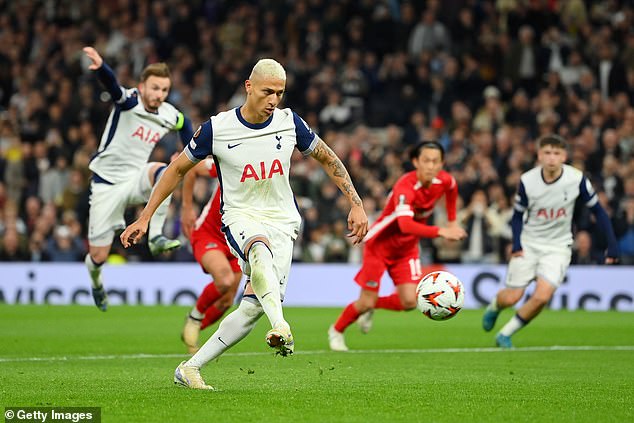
347	317
391	302
209	296
212	314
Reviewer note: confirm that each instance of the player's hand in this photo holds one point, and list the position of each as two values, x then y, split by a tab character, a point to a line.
133	233
188	218
518	253
357	224
453	233
611	260
96	59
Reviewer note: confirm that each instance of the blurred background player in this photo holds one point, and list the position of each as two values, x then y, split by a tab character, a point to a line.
212	253
252	147
122	175
542	242
392	241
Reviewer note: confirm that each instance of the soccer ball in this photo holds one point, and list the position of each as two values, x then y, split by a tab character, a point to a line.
439	295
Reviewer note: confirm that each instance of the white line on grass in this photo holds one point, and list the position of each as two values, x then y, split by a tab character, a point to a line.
389	351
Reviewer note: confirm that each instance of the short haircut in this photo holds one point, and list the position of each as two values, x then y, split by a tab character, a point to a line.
418	148
268	68
553	140
155	69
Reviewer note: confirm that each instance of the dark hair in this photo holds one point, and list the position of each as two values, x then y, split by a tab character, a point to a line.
435	145
155	69
552	140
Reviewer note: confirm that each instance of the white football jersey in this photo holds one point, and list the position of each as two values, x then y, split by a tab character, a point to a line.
130	135
548	207
253	164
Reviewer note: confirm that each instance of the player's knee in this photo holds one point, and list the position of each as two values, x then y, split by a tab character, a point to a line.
508	298
99	256
408	303
224	282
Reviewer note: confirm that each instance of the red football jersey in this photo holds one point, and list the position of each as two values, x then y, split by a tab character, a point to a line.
411	202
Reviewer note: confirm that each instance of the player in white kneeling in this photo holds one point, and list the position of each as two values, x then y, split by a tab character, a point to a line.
542	235
252	146
122	175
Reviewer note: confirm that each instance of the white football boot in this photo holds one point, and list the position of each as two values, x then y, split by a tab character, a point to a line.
336	340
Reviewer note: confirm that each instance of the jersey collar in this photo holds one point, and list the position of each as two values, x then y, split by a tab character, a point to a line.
253	125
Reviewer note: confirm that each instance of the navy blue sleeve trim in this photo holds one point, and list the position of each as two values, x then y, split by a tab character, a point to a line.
201	144
108	79
516	227
606	226
304	134
587	194
186	132
521	199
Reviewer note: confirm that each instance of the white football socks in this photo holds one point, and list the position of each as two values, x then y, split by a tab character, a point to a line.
232	329
264	282
516	323
94	271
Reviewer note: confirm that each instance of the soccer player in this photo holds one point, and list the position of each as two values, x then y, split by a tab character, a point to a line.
252	147
122	175
542	235
392	241
212	253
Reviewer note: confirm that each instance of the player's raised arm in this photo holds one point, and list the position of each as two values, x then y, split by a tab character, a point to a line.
357	219
164	187
105	75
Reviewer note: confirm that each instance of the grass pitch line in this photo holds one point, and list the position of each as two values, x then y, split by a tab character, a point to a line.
385	351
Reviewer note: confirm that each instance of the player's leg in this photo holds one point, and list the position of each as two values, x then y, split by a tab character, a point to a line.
405	273
551	270
231	330
368	278
94	261
218	308
520	272
105	215
216	260
251	241
158	242
364	304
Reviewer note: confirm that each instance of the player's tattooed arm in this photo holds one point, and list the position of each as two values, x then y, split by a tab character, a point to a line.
337	171
357	219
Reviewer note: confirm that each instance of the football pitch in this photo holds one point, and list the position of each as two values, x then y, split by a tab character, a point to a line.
568	366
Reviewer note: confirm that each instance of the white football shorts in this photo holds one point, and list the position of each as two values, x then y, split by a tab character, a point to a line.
108	204
241	233
548	265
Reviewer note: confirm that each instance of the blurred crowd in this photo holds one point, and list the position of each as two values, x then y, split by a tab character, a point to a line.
372	77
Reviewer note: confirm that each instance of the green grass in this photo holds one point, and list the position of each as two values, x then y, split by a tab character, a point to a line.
393	376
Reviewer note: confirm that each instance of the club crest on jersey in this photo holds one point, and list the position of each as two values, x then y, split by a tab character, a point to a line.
249	171
146	135
551	214
279	142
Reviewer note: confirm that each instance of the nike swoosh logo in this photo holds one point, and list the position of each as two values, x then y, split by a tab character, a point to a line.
234	145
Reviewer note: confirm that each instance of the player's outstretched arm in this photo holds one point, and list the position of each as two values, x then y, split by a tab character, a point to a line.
357	219
106	76
164	187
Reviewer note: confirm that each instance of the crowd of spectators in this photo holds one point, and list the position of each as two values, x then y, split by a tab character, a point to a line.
372	77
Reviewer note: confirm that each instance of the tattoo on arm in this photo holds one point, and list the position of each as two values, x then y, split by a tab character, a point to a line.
337	171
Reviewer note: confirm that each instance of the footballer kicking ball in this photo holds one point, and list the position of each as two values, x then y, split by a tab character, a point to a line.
440	295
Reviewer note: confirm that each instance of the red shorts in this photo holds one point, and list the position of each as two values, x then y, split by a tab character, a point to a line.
404	269
204	241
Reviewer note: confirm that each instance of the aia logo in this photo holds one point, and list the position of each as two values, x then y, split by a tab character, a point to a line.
146	135
249	171
551	214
